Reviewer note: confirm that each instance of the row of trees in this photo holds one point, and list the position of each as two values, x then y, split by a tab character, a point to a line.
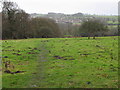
16	23
88	28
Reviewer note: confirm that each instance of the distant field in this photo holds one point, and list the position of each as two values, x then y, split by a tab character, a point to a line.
107	16
61	63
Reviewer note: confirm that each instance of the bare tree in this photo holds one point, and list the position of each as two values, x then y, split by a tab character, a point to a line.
8	13
15	21
91	27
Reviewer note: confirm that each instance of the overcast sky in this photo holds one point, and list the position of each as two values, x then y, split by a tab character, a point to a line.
101	7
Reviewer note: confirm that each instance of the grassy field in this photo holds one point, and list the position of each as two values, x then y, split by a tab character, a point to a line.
61	63
22	55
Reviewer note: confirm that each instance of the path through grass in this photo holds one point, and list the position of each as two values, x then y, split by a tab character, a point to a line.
63	63
39	76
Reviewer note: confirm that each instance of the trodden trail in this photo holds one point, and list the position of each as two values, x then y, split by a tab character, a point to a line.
38	77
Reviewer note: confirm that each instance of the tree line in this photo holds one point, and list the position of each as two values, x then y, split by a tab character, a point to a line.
17	24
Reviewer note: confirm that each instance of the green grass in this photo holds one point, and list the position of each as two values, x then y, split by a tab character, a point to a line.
17	53
0	64
111	22
69	63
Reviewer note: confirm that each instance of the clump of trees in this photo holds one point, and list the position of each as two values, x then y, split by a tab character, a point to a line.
17	24
92	28
44	28
88	28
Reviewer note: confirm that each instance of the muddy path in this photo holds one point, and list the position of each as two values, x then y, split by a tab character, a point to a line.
38	76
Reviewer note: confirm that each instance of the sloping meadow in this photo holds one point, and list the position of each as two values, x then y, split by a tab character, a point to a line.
70	62
19	61
83	63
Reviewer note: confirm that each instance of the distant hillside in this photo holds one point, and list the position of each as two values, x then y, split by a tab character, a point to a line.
75	18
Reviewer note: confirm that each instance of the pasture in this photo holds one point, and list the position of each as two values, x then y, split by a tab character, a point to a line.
60	63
